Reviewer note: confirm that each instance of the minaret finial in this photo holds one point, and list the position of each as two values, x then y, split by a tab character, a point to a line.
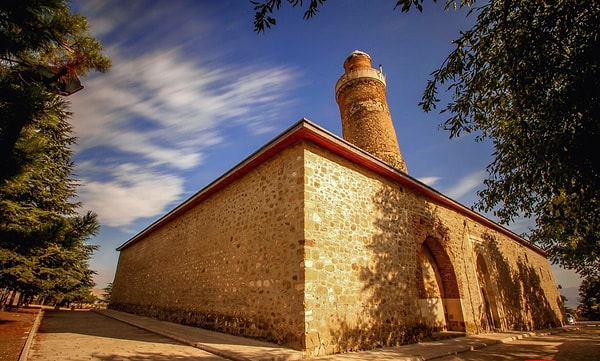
366	120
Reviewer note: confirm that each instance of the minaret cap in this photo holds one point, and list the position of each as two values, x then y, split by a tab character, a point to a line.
366	120
358	65
357	60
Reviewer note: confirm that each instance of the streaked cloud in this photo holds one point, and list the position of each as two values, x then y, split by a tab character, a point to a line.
168	110
466	185
158	111
430	181
134	193
521	225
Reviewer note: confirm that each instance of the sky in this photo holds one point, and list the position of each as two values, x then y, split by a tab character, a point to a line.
194	90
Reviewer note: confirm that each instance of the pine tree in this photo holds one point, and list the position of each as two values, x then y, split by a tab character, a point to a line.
44	48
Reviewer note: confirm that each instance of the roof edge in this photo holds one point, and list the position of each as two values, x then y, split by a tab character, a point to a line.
304	129
265	152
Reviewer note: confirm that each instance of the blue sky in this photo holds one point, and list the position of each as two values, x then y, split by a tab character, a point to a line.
194	90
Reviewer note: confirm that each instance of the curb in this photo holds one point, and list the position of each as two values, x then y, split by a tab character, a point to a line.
456	350
34	328
486	344
199	345
501	341
236	356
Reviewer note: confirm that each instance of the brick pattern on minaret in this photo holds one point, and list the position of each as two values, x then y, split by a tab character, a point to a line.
366	121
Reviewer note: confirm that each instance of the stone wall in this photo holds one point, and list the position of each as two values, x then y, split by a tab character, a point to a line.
319	253
501	282
360	262
231	263
520	284
364	285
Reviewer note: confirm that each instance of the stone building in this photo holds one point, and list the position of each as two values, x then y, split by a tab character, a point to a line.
327	245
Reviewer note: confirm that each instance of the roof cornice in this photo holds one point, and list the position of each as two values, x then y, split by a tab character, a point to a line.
304	129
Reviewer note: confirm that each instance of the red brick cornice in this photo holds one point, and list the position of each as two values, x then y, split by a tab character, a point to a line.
308	131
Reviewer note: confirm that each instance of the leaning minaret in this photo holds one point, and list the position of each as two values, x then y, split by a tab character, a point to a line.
366	119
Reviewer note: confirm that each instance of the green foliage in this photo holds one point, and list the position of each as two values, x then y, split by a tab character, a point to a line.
589	299
61	267
263	20
43	247
405	5
526	77
107	292
263	11
42	46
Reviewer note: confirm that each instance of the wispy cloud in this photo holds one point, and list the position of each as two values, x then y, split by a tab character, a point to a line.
134	193
158	112
466	185
430	181
522	225
168	110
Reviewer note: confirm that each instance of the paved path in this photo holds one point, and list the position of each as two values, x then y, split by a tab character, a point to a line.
579	344
228	346
111	335
82	335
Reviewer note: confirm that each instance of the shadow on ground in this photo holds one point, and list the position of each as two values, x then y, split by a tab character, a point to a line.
90	324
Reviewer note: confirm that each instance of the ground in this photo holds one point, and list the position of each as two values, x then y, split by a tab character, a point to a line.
15	325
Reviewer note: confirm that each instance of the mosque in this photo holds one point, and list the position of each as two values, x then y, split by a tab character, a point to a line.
327	245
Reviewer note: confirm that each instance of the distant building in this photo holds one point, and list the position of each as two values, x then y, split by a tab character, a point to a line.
327	245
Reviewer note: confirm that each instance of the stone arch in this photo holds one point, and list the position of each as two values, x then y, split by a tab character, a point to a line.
439	298
489	313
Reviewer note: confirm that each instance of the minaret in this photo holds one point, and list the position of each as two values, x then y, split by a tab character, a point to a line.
366	120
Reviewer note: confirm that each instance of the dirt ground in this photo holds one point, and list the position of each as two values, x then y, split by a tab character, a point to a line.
15	325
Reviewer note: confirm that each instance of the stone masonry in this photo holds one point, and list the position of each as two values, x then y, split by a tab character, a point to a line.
315	243
363	274
366	120
229	263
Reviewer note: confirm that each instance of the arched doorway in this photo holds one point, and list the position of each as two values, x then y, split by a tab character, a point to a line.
489	316
439	299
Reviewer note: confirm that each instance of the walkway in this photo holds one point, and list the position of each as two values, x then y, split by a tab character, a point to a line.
98	335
